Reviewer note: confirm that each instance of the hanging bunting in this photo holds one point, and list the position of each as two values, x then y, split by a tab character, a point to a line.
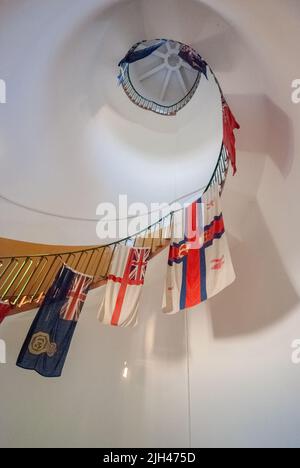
124	286
5	308
229	125
199	264
46	346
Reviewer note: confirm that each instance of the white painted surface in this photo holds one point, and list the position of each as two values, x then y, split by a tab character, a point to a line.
244	388
92	405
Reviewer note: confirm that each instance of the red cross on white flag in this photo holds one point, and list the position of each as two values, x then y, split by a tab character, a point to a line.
124	286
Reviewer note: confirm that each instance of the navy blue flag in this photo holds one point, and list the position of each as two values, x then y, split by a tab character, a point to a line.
135	55
47	344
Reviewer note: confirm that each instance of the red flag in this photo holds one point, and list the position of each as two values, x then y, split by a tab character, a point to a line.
229	125
4	310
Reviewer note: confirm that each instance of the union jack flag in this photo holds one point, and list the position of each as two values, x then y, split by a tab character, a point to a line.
76	298
138	266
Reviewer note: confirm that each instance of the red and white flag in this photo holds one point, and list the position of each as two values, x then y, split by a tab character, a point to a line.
4	310
199	265
124	286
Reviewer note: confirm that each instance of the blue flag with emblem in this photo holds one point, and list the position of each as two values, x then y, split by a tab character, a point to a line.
47	344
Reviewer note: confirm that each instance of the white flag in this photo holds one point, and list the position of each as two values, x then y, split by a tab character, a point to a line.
124	286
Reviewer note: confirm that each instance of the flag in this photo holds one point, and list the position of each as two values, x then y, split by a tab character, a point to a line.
5	308
229	125
195	60
135	54
199	264
124	286
46	346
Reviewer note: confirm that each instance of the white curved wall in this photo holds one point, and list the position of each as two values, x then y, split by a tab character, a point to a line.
243	385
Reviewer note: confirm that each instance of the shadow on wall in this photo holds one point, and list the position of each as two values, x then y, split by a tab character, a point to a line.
262	293
265	128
